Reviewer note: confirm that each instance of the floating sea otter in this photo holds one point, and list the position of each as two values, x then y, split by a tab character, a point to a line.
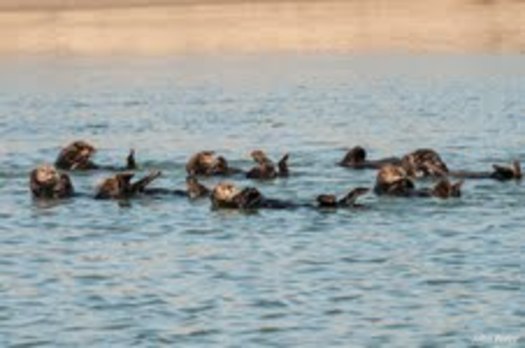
227	195
265	168
356	158
120	186
78	156
206	163
428	163
394	180
331	201
47	182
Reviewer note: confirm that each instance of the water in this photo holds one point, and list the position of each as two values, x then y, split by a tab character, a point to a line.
169	272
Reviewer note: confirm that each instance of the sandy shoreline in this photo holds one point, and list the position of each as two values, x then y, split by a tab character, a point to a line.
188	26
63	5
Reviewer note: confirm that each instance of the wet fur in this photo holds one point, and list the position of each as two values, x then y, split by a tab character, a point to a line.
46	181
394	180
205	163
78	156
265	168
356	158
121	187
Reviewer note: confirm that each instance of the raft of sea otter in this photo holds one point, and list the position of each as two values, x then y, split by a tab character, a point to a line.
396	177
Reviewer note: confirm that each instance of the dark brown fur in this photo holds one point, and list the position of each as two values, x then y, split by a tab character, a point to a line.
207	164
265	168
394	180
78	156
195	188
356	158
331	201
120	186
46	182
424	163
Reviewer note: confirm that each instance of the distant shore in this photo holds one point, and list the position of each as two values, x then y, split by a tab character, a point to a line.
160	27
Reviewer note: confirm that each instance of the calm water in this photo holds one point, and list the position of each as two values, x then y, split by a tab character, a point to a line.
170	272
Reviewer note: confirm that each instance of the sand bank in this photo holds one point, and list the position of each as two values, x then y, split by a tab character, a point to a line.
189	26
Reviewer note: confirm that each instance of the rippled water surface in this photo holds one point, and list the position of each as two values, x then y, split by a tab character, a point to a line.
167	271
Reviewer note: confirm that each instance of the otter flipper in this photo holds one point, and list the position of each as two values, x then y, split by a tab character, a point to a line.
350	199
507	173
283	166
140	185
131	164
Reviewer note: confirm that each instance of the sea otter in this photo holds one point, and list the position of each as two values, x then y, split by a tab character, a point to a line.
47	182
207	164
394	180
420	163
227	195
331	201
356	158
78	156
265	169
427	163
121	187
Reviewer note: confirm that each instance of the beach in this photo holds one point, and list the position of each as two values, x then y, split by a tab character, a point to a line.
191	26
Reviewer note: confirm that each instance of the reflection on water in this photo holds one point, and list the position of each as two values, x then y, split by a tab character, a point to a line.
168	271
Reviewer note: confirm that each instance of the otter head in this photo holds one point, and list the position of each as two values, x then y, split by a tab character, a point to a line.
219	166
390	173
260	157
393	180
223	195
84	149
445	189
47	182
76	155
355	155
46	175
200	163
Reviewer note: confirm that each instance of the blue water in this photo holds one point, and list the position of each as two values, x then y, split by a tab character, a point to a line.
169	272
